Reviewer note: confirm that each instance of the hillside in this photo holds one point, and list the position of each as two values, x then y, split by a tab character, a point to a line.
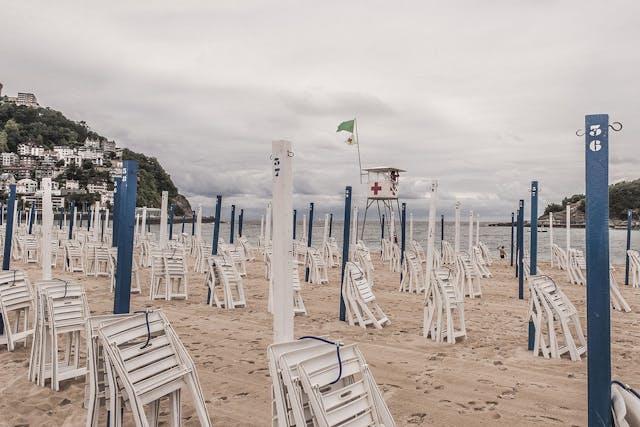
48	128
622	196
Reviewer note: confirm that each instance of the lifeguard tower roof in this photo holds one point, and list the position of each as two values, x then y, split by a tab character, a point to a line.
384	169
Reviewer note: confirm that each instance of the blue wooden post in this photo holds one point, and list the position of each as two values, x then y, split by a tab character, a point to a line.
295	215
89	218
60	216
345	245
232	224
8	235
102	222
521	250
403	234
597	257
1	213
32	216
626	267
72	211
116	211
240	222
382	228
533	251
512	224
128	190
193	223
330	224
309	235
171	222
183	220
517	239
216	235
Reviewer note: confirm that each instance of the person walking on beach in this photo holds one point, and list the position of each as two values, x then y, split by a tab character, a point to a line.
503	253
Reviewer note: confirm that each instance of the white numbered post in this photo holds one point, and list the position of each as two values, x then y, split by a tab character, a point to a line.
281	264
568	225
456	242
551	236
47	225
163	220
431	229
478	230
470	232
143	222
267	226
199	223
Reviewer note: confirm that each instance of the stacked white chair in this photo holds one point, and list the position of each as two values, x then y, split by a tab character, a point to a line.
318	273
363	257
298	303
576	264
360	302
448	255
113	264
147	362
634	267
385	252
323	384
395	260
236	253
225	284
73	257
61	310
469	276
249	250
330	253
175	269
553	314
480	262
559	257
617	300
417	248
486	254
443	305
412	273
17	308
30	249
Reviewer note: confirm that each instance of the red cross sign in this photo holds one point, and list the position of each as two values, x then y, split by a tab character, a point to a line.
376	188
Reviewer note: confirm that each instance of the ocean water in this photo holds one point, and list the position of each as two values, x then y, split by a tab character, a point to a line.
493	237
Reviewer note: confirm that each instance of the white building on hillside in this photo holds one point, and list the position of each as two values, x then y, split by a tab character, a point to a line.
26	186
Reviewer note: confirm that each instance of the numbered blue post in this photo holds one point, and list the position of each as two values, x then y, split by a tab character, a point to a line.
232	224
309	235
521	250
1	213
102	222
295	223
441	232
89	218
216	235
330	224
127	212
403	234
171	209
512	224
72	211
193	223
533	251
517	239
382	228
345	245
626	267
8	235
116	211
597	257
240	222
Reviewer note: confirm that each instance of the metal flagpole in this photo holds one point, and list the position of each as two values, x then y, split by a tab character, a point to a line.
355	125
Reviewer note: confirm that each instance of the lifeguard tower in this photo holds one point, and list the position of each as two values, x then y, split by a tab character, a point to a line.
382	184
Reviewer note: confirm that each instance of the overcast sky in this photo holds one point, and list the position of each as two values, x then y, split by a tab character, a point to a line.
483	96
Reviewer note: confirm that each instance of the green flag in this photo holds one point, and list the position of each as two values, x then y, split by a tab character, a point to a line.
348	126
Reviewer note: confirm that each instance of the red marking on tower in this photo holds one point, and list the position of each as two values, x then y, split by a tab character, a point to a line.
376	188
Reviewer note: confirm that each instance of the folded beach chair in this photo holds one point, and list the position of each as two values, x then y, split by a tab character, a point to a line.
576	264
363	257
225	283
625	405
634	267
147	363
480	263
360	302
249	250
135	271
175	270
395	259
558	257
448	255
486	254
73	257
417	248
470	276
318	274
617	300
298	304
16	308
31	249
443	305
236	254
412	273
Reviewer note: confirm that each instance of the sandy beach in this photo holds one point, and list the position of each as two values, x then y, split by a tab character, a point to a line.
487	379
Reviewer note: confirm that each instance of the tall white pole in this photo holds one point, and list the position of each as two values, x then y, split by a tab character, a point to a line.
281	263
354	227
470	231
392	227
199	223
143	222
551	236
325	231
267	226
303	235
96	221
568	229
47	225
456	243
431	229
411	226
262	228
478	230
163	220
136	231
106	218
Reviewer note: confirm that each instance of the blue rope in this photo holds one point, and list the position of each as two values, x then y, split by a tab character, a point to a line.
626	387
337	351
146	318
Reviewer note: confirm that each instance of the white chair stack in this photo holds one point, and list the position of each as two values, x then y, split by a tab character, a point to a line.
175	269
443	304
298	303
318	274
30	249
448	255
146	362
617	300
634	267
113	264
321	384
576	264
395	260
385	250
331	253
17	308
479	260
61	312
73	257
225	283
412	273
417	248
249	249
469	276
363	257
486	254
552	315
558	257
360	302
236	253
